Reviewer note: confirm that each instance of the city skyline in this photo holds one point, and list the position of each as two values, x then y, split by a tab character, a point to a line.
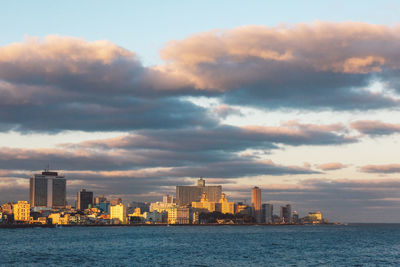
304	106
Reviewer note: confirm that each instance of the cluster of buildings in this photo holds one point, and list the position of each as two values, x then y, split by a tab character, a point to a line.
192	205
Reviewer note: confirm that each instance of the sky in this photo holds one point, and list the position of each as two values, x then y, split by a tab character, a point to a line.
131	99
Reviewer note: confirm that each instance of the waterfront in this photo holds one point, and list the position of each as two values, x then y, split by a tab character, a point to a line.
355	245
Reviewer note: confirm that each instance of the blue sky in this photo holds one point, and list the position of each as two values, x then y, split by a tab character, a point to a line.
146	26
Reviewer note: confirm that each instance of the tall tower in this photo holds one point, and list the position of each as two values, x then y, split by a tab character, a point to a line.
256	202
84	199
47	190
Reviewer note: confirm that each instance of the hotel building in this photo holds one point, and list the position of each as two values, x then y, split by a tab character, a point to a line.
47	190
185	195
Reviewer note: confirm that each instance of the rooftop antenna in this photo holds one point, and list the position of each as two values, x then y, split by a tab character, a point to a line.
47	167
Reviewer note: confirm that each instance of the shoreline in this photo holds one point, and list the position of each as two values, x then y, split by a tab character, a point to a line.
18	226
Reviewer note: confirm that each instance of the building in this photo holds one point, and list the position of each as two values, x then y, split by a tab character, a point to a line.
168	199
267	213
256	203
242	208
185	195
22	211
115	201
84	199
118	213
161	206
99	199
295	217
60	218
315	216
286	214
178	215
47	190
205	204
226	206
7	208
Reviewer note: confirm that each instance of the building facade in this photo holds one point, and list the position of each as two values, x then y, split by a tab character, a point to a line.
267	213
185	195
118	212
22	211
178	215
286	214
226	206
47	190
84	199
256	203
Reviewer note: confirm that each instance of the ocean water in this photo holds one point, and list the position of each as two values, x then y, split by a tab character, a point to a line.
353	245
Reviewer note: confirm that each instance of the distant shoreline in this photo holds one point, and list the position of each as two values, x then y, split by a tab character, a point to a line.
17	226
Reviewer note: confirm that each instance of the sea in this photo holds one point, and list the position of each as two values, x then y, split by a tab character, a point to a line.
291	245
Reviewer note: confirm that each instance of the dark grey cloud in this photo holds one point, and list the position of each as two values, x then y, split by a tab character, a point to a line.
375	127
64	83
227	138
384	168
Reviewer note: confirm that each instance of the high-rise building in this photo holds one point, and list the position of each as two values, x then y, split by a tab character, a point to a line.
84	199
286	213
256	202
185	195
22	211
47	190
267	213
118	212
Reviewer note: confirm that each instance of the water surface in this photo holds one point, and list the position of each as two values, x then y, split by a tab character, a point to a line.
354	245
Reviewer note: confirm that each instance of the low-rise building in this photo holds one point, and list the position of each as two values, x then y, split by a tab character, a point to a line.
60	218
178	215
314	216
161	206
22	211
118	213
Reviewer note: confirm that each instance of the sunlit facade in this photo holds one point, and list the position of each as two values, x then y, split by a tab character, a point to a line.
178	215
315	216
60	218
226	206
22	211
206	205
118	212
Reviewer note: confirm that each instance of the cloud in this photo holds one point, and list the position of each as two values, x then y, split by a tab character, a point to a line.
65	83
375	128
318	66
228	138
386	168
331	166
223	111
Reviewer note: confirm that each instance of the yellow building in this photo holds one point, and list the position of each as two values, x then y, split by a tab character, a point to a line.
226	206
205	204
22	211
60	218
118	212
315	216
178	215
